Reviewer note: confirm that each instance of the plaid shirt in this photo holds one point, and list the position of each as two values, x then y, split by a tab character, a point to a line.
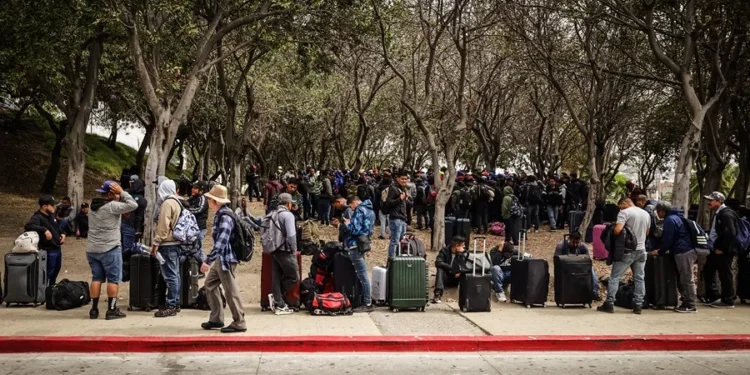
222	236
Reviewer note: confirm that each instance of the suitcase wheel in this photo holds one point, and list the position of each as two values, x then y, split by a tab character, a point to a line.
394	310
544	304
528	306
421	309
464	309
130	308
264	309
7	304
743	301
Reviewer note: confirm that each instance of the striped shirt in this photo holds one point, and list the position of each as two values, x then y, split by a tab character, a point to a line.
222	235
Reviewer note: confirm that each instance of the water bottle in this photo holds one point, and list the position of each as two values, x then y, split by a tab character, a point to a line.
160	258
143	248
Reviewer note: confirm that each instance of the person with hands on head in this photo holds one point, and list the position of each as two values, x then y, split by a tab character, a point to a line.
221	264
450	262
51	238
104	247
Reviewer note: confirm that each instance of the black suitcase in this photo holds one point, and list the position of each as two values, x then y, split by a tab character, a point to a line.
743	278
573	283
144	276
345	280
450	229
463	228
25	278
661	281
189	283
575	219
475	290
530	279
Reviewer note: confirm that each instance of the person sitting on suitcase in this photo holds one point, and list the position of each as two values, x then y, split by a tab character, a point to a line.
51	238
574	246
449	263
359	229
104	247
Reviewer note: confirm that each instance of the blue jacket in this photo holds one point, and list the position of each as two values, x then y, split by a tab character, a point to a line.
675	237
362	222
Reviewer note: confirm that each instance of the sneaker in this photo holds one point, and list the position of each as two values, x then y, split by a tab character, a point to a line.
114	314
685	309
637	310
607	308
438	298
93	314
596	297
284	310
212	325
501	297
271	302
364	309
708	302
721	305
164	313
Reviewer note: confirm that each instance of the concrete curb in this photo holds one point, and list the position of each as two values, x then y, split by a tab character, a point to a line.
307	344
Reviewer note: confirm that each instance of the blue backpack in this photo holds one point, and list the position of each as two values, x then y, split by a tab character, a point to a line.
743	235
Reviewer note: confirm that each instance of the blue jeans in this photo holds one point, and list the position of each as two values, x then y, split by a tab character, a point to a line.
170	270
594	281
398	230
106	266
54	263
64	226
360	266
636	261
383	222
552	213
306	206
324	210
127	237
499	277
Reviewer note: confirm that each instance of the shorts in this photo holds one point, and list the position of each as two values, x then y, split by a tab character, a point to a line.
106	266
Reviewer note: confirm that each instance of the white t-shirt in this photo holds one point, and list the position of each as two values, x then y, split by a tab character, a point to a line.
638	221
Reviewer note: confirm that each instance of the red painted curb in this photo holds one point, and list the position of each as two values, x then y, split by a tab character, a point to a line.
139	344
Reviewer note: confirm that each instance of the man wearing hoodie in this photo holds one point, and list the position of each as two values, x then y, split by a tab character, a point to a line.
395	205
723	241
359	231
168	247
132	222
677	240
103	250
511	218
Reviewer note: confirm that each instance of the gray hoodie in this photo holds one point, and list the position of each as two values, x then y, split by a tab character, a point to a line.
104	222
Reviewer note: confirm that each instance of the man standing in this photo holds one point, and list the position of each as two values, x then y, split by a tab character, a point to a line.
316	186
64	216
44	223
359	230
222	273
382	195
282	232
103	250
169	247
677	240
82	222
723	241
297	203
511	215
132	222
273	187
324	199
555	200
635	221
533	195
198	205
396	207
251	179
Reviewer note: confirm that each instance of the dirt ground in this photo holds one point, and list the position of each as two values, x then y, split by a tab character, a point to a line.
15	211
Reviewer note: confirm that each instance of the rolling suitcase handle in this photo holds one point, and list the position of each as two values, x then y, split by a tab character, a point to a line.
484	254
522	247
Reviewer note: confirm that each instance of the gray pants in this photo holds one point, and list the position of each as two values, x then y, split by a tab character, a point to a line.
217	276
285	275
687	288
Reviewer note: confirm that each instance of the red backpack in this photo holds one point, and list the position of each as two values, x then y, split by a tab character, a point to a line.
432	197
330	304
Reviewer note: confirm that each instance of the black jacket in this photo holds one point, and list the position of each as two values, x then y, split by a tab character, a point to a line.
135	218
443	261
41	223
726	231
618	245
198	205
396	205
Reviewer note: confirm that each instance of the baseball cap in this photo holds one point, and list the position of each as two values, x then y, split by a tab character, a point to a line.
200	185
716	196
84	205
45	200
285	198
106	187
134	177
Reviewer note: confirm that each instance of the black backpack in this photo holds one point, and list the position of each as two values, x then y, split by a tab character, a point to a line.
67	295
464	199
363	192
421	198
201	301
533	194
243	238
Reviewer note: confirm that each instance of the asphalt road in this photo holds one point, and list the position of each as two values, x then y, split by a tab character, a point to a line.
381	363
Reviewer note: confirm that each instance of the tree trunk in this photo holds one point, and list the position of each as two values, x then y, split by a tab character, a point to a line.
161	141
714	176
50	178
76	160
142	149
235	180
323	155
743	179
684	168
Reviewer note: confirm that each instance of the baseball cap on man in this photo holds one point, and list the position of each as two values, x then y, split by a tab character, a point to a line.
106	187
716	196
285	198
46	200
134	178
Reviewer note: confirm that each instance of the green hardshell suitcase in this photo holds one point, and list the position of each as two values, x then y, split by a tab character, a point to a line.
407	282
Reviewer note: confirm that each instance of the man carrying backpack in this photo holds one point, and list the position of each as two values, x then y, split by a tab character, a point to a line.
222	273
168	247
723	240
279	238
512	213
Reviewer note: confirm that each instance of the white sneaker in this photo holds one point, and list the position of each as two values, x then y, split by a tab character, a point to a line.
271	302
283	311
500	297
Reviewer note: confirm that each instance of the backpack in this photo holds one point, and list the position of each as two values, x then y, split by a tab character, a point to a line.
464	199
186	229
516	210
497	229
383	199
243	238
201	301
309	231
412	246
307	291
323	259
697	235
330	304
351	190
67	295
432	197
743	235
420	199
272	237
363	192
533	194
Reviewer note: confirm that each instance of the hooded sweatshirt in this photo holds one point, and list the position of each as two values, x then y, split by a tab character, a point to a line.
362	223
675	237
104	223
169	212
507	202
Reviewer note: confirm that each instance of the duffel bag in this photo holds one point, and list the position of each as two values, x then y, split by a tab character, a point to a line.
67	295
330	304
201	301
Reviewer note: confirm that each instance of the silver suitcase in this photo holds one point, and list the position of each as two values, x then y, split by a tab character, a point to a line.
25	278
379	287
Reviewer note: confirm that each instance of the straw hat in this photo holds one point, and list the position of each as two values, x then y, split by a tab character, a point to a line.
219	194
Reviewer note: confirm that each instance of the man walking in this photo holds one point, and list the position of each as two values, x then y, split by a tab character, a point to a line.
395	205
221	264
723	240
103	250
168	247
359	230
630	221
51	238
279	238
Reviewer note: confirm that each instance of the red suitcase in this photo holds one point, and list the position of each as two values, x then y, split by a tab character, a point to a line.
292	297
600	252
